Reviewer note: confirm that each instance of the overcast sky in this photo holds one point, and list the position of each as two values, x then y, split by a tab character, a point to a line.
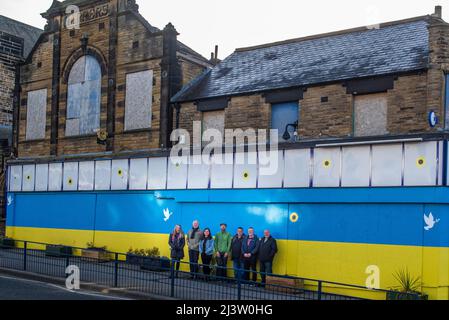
240	23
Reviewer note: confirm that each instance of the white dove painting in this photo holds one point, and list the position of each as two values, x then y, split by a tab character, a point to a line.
9	200
167	214
430	221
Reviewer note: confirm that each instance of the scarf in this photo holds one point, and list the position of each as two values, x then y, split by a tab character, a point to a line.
194	231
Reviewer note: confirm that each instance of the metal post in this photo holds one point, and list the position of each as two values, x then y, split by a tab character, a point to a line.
116	271
172	277
320	288
67	261
25	244
239	285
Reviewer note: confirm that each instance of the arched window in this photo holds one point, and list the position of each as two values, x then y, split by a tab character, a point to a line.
84	97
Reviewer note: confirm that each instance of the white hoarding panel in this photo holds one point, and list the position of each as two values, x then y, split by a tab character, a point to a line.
119	173
86	175
199	172
326	167
271	169
297	168
138	174
177	173
103	175
221	174
70	182
157	173
28	177
420	164
387	165
55	177
356	166
41	177
245	170
15	179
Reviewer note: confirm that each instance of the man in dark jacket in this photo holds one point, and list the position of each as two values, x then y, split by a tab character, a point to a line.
267	250
236	253
250	247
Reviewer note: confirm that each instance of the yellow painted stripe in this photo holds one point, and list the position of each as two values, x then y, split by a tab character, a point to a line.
335	262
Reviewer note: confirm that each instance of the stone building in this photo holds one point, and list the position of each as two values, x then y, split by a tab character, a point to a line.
16	41
364	82
100	83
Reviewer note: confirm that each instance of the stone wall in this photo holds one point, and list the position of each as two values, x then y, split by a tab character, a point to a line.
11	50
122	42
332	117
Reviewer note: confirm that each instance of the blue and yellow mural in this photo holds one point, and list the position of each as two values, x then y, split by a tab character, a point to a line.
329	234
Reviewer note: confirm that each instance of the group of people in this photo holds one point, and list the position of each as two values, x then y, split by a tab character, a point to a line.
244	251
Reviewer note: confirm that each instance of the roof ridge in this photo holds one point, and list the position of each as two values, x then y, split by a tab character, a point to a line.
22	23
333	33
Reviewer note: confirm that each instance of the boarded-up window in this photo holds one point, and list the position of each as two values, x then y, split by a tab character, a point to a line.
214	120
370	115
139	100
84	97
36	114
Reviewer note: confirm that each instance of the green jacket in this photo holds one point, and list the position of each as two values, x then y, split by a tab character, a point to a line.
223	242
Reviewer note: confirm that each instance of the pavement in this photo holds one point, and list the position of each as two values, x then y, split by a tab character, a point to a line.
13	288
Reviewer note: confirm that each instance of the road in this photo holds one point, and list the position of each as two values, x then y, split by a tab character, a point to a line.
20	289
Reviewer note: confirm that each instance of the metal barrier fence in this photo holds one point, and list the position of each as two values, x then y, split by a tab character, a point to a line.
159	277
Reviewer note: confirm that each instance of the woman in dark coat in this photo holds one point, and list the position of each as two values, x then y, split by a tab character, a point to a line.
177	241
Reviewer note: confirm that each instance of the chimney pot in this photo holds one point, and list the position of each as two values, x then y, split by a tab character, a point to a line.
439	11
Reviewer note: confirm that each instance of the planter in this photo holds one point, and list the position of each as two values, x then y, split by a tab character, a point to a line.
7	243
284	285
96	255
155	264
396	295
134	259
58	251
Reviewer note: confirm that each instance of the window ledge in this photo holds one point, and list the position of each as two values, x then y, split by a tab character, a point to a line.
34	141
84	136
138	131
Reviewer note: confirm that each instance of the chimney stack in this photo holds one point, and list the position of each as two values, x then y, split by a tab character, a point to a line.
438	12
214	57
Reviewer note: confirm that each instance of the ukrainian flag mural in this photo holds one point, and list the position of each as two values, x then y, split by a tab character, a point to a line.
335	211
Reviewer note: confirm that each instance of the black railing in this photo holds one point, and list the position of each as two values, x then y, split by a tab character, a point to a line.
160	277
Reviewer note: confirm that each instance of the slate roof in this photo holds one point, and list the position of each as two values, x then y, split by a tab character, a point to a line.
393	48
16	28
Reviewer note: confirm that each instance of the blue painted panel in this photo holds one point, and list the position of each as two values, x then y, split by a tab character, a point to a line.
10	208
258	216
135	212
283	114
436	234
360	217
61	211
355	223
